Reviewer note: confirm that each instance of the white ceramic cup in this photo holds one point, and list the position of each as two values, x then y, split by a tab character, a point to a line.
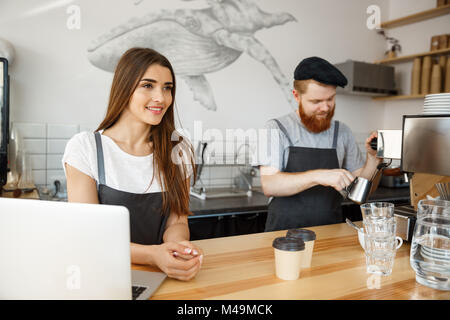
361	239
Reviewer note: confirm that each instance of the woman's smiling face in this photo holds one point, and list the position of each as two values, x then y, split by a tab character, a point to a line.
153	95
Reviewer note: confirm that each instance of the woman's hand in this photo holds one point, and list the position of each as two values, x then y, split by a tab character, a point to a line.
189	252
175	260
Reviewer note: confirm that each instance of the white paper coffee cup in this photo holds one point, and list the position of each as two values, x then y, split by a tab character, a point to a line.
308	238
288	256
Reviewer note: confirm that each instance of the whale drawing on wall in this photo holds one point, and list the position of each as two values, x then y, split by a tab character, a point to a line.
197	42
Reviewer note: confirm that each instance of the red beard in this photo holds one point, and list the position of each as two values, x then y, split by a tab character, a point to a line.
314	124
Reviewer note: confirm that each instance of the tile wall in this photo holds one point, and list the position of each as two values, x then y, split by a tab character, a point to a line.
45	143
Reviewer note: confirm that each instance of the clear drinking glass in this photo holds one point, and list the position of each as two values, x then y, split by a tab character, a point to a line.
380	245
387	226
430	247
26	177
377	211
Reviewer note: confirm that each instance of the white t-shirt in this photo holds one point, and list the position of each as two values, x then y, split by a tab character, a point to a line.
123	171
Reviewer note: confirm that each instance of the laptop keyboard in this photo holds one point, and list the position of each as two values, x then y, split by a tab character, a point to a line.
137	290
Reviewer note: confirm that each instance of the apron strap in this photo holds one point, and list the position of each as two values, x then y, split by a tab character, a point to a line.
283	129
336	131
100	161
335	136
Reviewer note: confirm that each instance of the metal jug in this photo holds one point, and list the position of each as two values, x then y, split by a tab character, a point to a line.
358	190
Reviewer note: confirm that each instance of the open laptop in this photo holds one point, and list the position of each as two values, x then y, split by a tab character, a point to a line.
60	250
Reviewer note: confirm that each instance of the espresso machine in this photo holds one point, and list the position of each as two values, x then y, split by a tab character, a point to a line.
423	147
4	120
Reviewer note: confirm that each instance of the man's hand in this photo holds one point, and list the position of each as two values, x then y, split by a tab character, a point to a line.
336	178
370	152
370	167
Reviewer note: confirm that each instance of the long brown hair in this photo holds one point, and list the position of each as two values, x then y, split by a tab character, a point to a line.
167	142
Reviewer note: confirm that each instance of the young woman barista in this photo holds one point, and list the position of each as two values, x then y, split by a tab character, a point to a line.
136	159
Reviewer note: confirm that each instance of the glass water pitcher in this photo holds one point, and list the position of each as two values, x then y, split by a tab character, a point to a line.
430	247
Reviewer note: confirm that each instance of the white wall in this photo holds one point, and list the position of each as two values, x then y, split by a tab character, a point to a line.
414	38
53	82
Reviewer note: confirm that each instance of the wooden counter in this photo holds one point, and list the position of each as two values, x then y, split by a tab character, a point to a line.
242	267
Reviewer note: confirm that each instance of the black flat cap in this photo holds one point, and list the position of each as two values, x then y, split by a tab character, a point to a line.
320	70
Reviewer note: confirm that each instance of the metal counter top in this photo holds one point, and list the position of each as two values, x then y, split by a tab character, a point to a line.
258	202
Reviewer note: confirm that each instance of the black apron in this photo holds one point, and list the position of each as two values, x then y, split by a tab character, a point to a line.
315	206
147	222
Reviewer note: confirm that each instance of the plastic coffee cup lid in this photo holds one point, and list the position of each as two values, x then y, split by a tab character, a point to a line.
288	244
306	235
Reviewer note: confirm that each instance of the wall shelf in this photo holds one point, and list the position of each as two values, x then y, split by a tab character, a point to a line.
420	16
405	97
413	56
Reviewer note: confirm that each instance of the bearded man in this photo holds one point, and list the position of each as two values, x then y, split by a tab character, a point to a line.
315	156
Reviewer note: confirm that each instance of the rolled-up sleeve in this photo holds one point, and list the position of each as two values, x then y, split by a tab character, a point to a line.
271	146
353	159
76	155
